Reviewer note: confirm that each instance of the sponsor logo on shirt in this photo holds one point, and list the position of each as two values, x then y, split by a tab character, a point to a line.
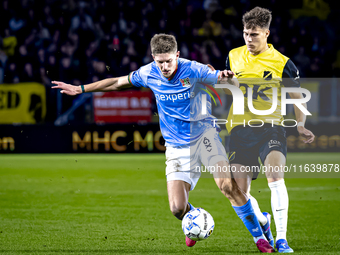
185	82
267	75
175	97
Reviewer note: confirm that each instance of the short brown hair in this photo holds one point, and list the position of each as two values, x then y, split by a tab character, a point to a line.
257	17
163	43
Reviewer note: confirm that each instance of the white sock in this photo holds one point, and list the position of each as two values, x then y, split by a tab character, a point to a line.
279	201
262	219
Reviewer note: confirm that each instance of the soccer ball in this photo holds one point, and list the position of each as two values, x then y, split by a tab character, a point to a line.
198	224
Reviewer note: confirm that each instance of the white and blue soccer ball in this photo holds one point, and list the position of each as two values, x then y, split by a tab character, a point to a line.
198	224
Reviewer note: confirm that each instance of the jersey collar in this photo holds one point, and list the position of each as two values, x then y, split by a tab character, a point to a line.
267	51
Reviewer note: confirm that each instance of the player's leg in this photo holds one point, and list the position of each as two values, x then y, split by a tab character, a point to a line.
273	154
244	154
274	163
243	208
213	154
243	180
228	185
178	195
180	180
264	219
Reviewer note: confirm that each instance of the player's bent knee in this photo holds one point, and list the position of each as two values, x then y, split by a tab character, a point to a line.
178	210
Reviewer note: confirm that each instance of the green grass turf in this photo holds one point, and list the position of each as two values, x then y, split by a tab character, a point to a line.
117	204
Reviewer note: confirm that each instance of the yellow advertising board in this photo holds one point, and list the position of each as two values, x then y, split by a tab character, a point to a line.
22	103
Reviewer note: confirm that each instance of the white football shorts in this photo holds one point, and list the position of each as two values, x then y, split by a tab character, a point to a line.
184	162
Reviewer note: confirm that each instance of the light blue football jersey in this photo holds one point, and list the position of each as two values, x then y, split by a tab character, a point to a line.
179	100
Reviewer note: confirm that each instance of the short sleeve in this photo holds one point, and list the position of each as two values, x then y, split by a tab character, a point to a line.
290	75
204	73
138	78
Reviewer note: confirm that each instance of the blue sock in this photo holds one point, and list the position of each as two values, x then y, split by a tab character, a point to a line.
247	215
191	207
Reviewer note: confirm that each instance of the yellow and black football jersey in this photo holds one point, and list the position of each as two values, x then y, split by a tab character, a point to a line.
261	73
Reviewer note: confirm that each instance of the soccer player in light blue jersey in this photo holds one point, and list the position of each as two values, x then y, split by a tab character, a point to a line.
191	139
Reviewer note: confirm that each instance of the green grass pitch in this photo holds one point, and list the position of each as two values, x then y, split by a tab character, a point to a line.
117	204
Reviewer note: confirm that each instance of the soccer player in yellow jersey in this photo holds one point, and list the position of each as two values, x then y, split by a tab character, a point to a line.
258	65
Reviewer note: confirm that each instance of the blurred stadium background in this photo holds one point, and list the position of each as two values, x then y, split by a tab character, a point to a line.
79	42
86	204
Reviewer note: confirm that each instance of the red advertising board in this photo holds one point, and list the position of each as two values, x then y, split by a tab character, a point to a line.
122	107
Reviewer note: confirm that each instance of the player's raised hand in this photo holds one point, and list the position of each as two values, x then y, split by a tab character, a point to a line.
67	89
224	73
306	134
227	77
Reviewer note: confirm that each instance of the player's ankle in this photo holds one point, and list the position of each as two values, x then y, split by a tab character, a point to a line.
281	235
256	238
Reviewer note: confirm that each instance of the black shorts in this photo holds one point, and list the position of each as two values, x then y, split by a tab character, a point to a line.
248	143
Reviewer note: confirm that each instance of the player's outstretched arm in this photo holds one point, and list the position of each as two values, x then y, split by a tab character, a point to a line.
110	84
301	119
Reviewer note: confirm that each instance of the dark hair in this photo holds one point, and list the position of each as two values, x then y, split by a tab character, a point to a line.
257	17
163	43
